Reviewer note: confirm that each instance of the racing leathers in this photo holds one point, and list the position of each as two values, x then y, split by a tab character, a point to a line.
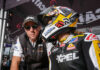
77	52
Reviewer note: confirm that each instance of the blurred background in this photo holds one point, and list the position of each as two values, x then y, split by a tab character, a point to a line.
12	13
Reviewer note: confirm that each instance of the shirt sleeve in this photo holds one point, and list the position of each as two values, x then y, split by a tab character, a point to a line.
17	49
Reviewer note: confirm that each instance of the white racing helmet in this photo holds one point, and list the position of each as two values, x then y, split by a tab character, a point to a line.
62	19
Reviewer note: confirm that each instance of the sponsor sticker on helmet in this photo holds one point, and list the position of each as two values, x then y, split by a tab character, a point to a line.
49	30
60	24
66	21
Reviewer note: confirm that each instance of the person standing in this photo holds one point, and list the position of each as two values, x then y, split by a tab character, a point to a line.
29	48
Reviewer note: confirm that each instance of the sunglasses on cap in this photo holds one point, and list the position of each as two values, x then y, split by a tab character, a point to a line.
28	27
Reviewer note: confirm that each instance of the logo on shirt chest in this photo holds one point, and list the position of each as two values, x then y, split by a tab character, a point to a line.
71	47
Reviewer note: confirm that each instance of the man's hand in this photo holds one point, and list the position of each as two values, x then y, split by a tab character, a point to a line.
15	63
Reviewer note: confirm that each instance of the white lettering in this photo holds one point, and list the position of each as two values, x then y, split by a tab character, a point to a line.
81	19
74	56
39	4
98	12
67	57
43	7
90	16
37	1
60	58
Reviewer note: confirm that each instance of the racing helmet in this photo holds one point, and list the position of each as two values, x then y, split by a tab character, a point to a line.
61	19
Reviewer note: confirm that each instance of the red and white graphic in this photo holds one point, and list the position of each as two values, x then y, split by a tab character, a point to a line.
91	37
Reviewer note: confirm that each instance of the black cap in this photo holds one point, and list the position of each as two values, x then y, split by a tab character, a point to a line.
32	19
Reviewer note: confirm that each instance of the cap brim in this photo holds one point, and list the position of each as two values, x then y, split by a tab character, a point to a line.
26	21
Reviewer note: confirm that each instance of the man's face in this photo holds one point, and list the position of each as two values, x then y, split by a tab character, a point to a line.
32	30
63	36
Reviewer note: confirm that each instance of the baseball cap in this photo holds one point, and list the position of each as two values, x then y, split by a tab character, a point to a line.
30	18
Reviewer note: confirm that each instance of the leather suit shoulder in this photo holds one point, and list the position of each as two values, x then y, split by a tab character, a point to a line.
90	37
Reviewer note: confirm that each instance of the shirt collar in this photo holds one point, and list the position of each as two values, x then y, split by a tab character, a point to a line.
33	43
